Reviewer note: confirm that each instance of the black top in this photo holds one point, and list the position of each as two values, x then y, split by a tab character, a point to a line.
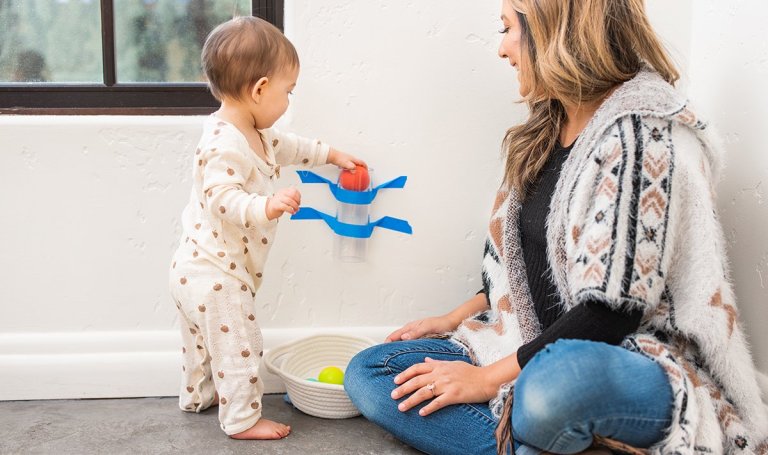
591	320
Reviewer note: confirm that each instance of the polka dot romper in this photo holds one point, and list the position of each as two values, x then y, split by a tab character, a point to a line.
219	266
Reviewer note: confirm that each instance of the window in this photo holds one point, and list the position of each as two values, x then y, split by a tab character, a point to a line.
111	56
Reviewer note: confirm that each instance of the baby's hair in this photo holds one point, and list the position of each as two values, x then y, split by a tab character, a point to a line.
241	51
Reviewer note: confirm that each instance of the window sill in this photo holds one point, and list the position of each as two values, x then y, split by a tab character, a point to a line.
109	111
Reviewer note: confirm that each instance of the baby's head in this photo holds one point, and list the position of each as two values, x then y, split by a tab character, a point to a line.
247	57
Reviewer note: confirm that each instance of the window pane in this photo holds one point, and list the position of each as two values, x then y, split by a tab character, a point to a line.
50	41
161	40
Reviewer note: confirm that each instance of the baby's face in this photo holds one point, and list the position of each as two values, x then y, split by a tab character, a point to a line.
276	97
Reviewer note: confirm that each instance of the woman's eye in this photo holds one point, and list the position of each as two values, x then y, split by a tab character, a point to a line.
504	30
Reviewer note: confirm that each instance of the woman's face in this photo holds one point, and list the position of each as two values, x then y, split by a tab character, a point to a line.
511	45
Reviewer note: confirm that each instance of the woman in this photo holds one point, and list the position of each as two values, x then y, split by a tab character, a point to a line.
607	317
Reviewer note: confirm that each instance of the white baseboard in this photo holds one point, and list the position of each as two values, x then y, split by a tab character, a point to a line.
42	366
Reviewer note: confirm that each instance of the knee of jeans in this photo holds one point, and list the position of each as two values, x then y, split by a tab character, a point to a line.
359	375
535	405
549	387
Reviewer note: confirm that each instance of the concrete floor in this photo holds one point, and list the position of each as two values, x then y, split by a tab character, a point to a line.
157	426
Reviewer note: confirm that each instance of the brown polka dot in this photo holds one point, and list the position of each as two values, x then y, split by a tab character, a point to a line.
183	350
232	266
199	347
183	368
275	142
196	404
199	162
253	379
210	193
222	209
194	254
201	308
190	389
194	241
245	239
253	294
174	265
197	327
261	354
217	287
197	152
220	374
247	225
216	131
223	400
264	240
246	269
305	161
259	275
244	287
245	250
197	226
192	331
215	235
202	206
183	280
245	353
224	328
221	254
251	317
230	171
255	405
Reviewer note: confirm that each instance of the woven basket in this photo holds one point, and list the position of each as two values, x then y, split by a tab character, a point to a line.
302	359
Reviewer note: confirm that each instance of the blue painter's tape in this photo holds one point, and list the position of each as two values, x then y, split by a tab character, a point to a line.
359	231
347	196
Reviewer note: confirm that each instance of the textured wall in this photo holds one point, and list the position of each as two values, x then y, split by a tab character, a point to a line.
91	204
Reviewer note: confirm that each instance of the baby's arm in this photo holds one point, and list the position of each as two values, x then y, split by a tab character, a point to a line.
293	149
225	170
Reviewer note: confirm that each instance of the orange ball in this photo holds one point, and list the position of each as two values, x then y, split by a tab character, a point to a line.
355	181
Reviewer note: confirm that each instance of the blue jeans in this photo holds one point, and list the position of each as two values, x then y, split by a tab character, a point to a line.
568	392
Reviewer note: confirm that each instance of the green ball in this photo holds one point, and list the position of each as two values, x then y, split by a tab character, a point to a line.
331	375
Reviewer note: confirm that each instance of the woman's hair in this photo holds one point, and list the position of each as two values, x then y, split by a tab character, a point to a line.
241	51
574	51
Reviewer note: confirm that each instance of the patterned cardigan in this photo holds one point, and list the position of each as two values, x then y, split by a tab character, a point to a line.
632	223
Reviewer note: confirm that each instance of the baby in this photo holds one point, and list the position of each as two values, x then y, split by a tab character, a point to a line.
230	221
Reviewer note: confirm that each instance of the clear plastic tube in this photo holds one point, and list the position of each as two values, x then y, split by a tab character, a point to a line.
350	249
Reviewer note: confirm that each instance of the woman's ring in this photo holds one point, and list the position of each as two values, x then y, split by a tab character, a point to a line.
431	388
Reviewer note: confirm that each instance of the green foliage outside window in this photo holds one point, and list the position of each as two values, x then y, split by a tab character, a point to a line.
155	40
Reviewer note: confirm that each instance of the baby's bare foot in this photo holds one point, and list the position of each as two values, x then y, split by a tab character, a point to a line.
264	429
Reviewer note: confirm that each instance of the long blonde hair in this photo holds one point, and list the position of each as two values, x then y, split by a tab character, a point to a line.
574	51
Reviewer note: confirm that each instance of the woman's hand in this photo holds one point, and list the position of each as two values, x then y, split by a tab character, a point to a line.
344	160
453	382
445	383
419	328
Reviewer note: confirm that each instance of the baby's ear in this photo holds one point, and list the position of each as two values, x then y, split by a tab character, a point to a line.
258	88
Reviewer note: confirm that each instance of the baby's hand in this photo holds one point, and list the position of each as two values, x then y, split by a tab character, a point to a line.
344	160
284	200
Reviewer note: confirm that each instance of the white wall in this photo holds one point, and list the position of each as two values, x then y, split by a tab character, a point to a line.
91	204
729	83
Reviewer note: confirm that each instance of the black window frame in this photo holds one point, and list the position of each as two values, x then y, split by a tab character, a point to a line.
111	97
